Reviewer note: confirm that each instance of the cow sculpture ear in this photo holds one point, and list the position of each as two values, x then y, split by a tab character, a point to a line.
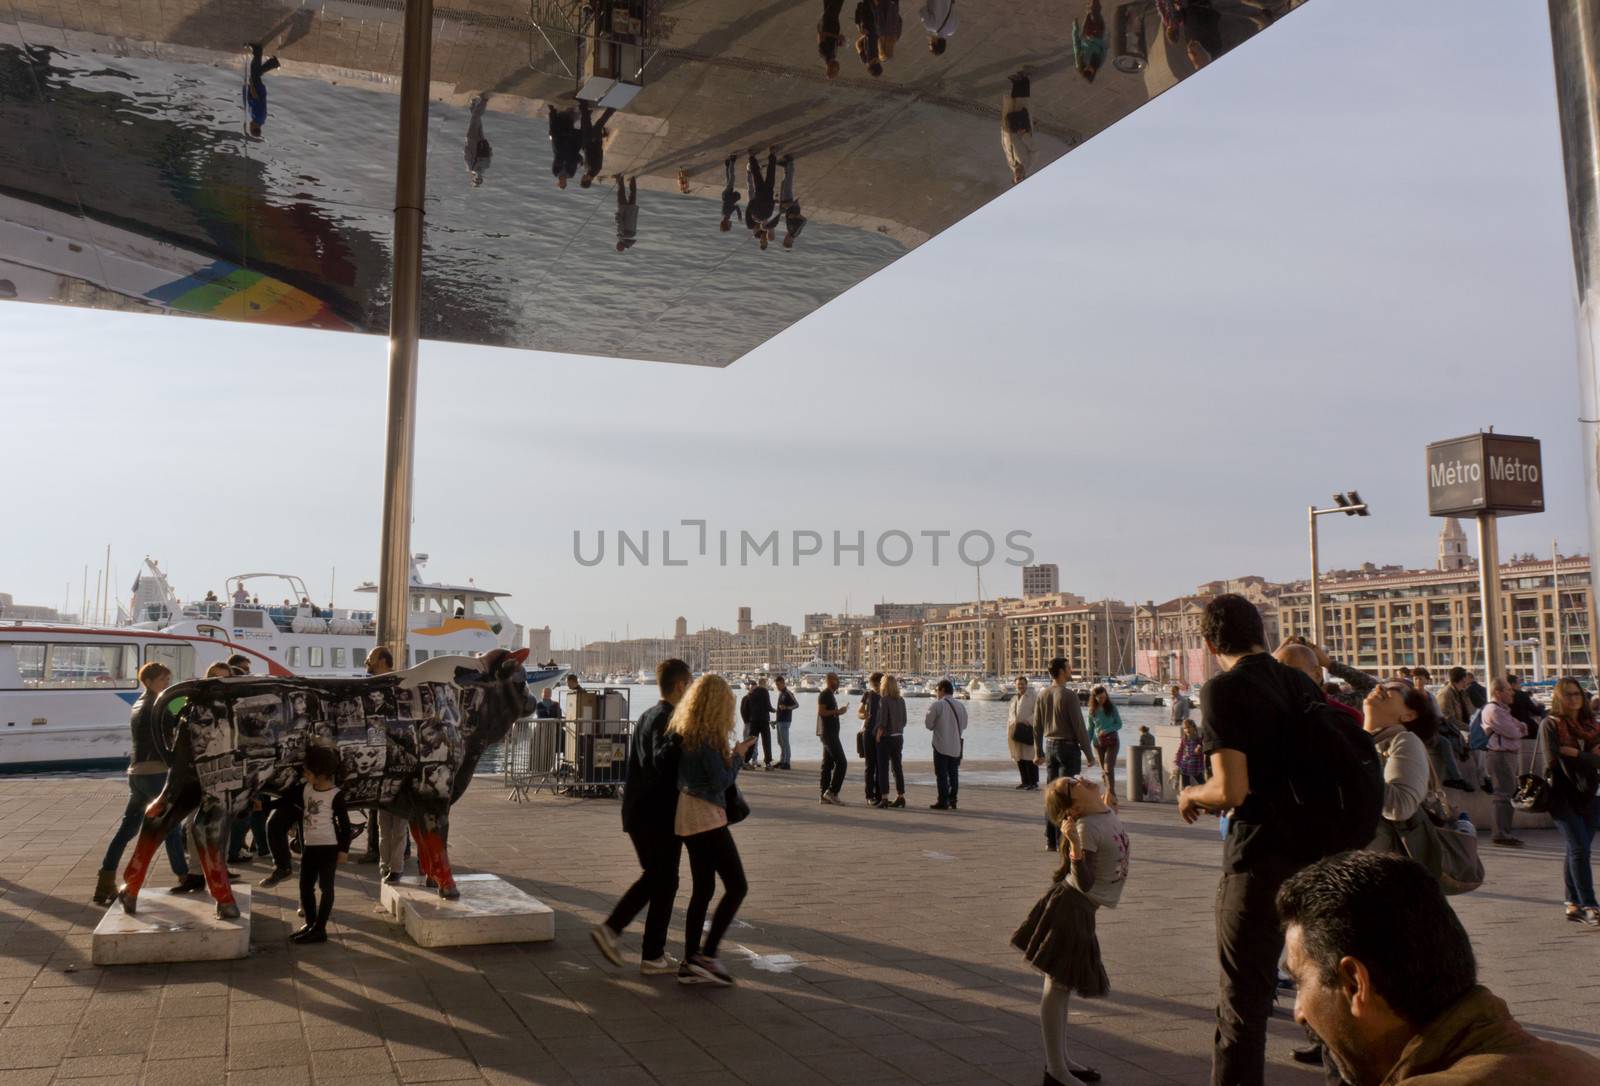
520	655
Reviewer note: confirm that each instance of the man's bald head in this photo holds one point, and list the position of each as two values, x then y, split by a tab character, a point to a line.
1300	658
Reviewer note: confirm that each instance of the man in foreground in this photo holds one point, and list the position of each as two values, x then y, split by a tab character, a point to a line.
1247	711
1386	977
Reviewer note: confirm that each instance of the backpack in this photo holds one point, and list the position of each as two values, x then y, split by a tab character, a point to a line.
1477	738
1330	796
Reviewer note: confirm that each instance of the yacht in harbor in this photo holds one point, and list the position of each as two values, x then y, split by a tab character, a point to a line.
65	689
988	688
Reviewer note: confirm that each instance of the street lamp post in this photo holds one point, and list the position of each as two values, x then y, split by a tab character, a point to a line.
1350	504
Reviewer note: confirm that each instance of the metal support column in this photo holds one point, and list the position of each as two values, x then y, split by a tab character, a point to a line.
1575	42
405	326
1494	642
1316	589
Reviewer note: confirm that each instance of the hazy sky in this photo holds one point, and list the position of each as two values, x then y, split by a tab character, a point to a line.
1345	240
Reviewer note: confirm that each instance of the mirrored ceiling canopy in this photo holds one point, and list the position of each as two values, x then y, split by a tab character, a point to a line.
675	180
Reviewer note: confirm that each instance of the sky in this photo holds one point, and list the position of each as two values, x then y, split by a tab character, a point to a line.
1284	278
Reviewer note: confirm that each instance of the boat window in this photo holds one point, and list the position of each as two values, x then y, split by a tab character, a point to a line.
315	654
487	608
294	656
338	658
420	655
30	662
248	619
178	658
72	666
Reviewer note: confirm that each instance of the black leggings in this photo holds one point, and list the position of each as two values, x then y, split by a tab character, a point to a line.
712	854
317	866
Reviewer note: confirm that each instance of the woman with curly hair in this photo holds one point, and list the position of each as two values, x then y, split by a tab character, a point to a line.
707	770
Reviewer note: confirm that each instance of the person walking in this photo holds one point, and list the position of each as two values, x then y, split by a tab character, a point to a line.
1569	739
478	152
1246	712
730	195
787	704
1189	761
708	770
649	808
761	202
940	21
1016	127
627	215
1058	937
1019	733
947	720
867	745
318	806
789	205
147	776
889	740
566	144
592	137
255	101
833	761
1105	724
1058	728
1505	734
830	35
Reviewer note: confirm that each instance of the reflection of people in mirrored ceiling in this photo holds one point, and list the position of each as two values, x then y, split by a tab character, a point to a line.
1016	128
255	91
830	36
627	212
1171	13
939	20
867	37
478	152
889	26
593	138
761	207
730	195
566	144
1089	41
793	221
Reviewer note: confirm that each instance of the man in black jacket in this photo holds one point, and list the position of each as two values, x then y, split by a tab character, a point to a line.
147	776
756	709
649	807
1523	707
869	745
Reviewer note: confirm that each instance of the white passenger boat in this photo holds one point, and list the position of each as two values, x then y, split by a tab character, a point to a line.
65	689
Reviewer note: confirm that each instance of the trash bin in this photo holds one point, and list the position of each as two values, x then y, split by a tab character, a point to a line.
1149	784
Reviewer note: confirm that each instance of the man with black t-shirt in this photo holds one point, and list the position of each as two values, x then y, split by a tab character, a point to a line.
1245	711
828	713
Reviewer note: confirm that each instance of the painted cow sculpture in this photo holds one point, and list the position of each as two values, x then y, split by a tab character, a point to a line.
408	744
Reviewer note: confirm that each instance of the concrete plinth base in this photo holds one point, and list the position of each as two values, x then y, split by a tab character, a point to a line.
172	928
490	910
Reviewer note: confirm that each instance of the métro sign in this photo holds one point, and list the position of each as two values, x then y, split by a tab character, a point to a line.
1485	473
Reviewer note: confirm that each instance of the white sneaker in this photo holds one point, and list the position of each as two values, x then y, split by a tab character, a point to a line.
659	967
608	942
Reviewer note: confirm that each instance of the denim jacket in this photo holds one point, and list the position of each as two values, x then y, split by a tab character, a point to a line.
703	773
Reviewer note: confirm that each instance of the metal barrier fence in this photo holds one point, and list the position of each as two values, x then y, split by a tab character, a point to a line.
570	757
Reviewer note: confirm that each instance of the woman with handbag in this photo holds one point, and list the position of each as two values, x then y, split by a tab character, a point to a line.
1019	734
1105	726
708	803
1570	741
1417	820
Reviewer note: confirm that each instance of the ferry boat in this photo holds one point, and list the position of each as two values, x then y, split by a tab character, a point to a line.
65	690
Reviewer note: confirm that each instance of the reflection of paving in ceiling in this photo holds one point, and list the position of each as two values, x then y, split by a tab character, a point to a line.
128	119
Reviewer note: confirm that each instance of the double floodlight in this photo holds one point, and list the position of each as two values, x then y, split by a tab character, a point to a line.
1350	502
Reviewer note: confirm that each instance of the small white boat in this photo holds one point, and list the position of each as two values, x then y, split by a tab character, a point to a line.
988	689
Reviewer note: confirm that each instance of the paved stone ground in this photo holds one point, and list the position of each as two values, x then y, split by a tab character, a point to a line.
898	920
